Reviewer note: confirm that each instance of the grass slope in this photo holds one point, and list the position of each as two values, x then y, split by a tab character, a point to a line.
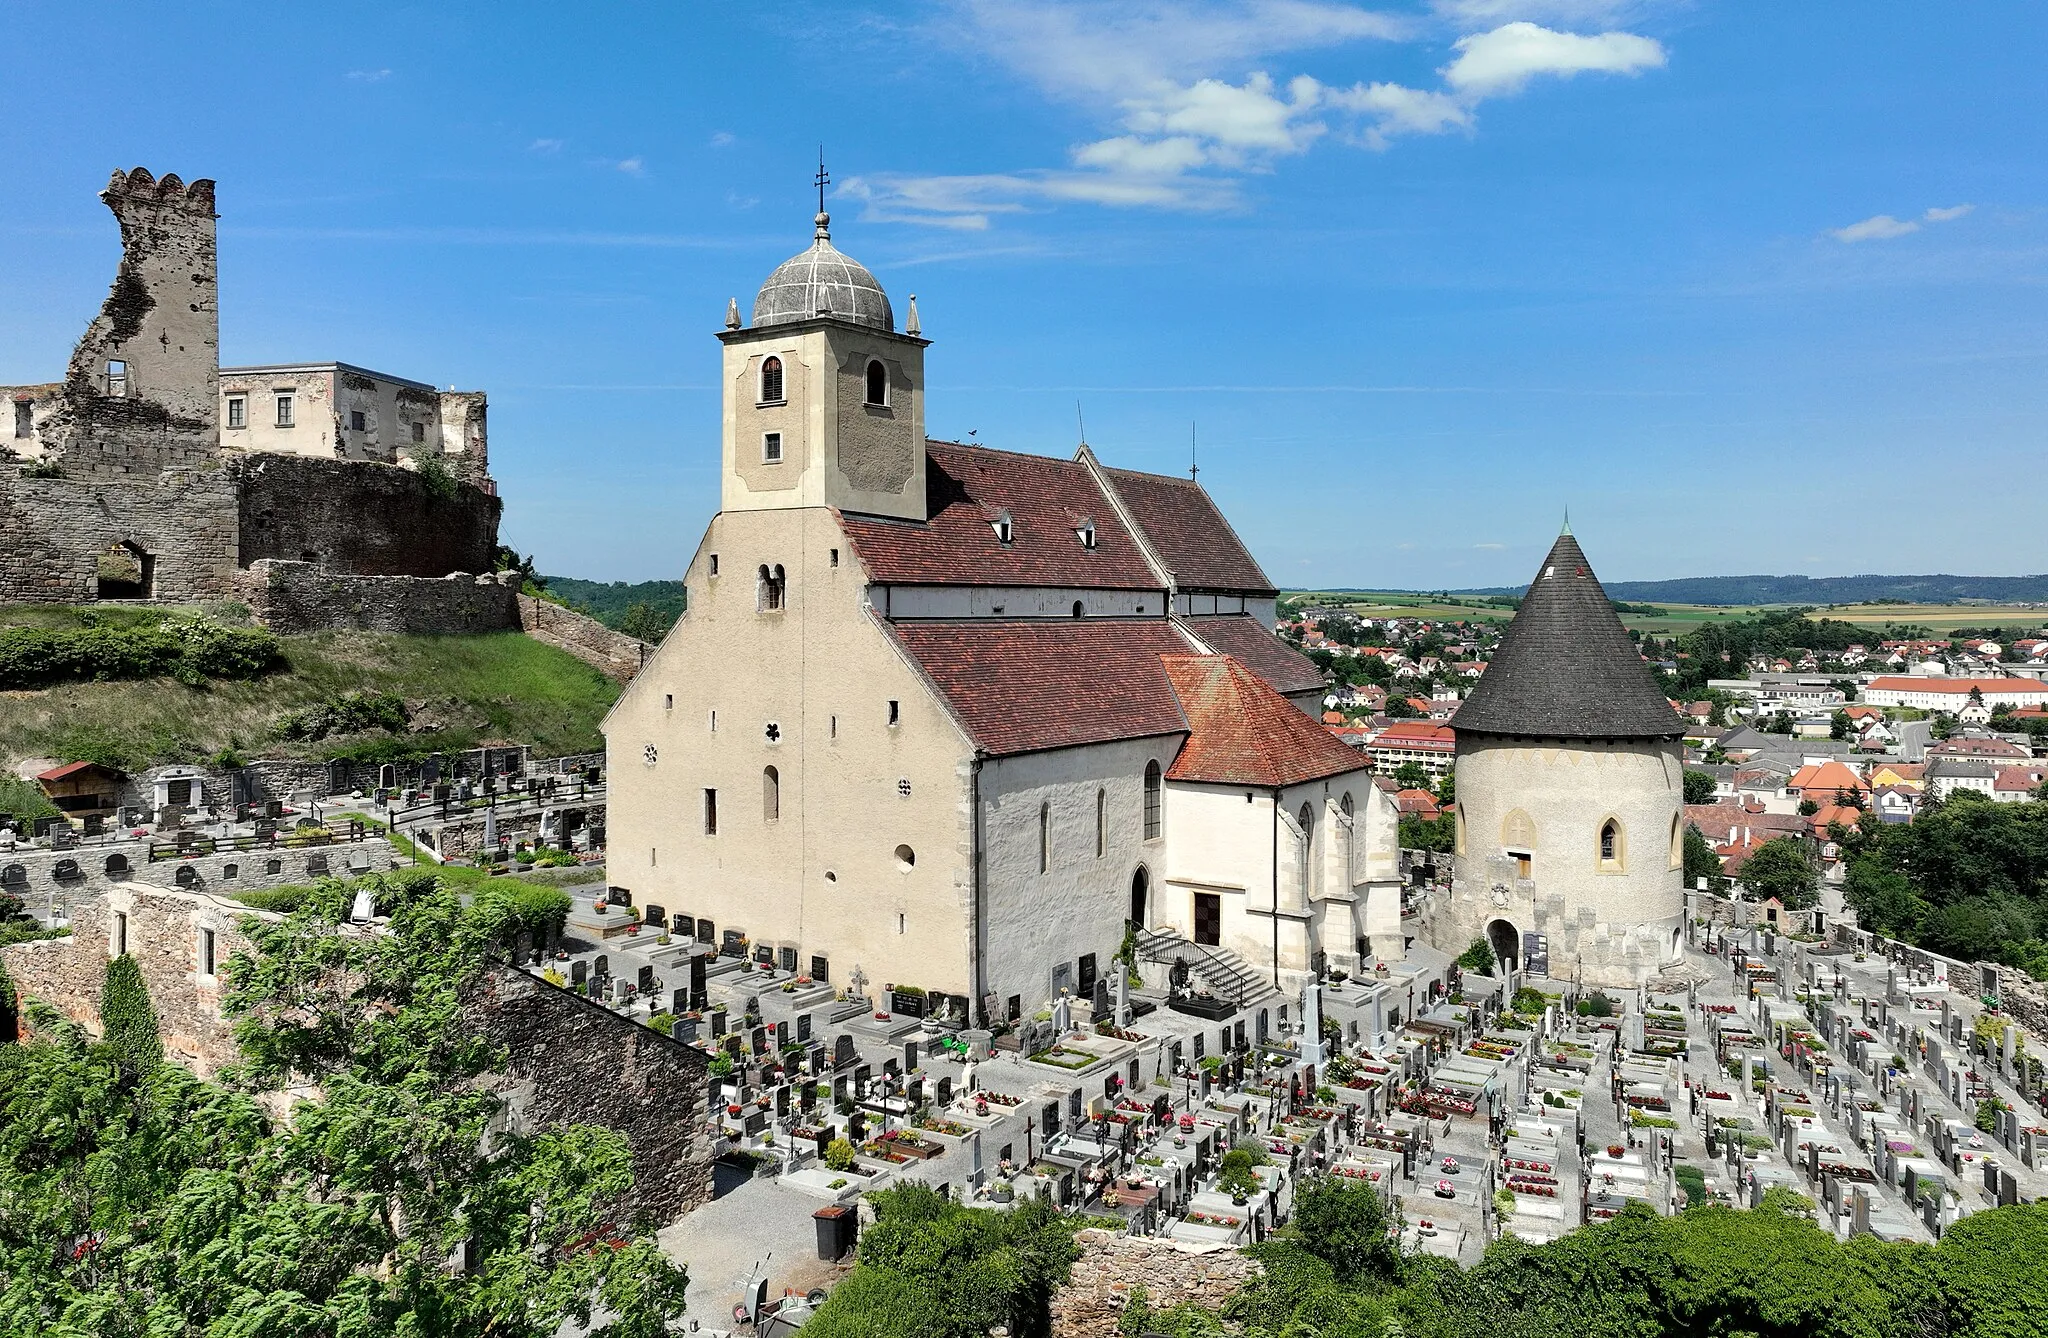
466	690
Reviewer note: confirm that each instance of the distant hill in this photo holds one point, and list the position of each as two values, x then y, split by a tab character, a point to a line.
1940	589
610	601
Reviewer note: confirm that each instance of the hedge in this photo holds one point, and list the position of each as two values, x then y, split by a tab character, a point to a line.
34	657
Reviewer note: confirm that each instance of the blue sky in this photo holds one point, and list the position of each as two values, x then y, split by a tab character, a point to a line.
1748	287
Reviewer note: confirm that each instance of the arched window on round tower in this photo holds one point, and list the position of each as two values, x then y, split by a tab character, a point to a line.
1677	841
1613	846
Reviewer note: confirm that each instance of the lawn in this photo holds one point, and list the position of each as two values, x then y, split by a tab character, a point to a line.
463	691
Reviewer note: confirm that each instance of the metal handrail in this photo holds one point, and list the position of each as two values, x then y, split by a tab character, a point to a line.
1217	968
503	805
214	845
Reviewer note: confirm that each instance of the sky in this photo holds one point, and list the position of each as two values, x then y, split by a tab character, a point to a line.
1747	288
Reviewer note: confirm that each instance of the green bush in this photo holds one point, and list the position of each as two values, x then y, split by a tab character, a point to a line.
23	800
1478	957
128	1019
347	713
189	650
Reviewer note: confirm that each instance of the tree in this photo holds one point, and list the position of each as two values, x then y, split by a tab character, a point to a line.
1344	1223
1399	707
1839	725
1783	867
1478	957
1447	787
1435	835
1808	807
144	1202
508	559
1701	861
1699	787
128	1020
1411	776
643	622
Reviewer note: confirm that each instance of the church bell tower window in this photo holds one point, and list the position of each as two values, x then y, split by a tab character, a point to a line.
771	380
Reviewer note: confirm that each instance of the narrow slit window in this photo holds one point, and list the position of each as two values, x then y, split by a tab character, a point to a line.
895	712
713	567
1044	837
771	794
1101	823
711	812
206	949
1152	796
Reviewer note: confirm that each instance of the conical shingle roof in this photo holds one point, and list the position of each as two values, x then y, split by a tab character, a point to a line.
1566	668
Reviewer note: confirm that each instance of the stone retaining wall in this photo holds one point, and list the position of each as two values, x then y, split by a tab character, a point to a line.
1111	1264
296	597
615	655
363	517
571	1060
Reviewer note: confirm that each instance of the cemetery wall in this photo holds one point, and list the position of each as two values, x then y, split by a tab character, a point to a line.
164	931
1111	1265
297	597
571	1060
2025	998
462	840
614	654
72	877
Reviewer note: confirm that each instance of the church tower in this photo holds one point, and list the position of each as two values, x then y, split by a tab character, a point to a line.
1570	828
824	400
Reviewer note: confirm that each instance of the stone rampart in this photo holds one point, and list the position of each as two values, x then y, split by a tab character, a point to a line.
67	877
57	528
1112	1264
296	597
615	655
362	517
568	1060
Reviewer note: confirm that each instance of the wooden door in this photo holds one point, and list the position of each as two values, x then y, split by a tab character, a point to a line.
1208	919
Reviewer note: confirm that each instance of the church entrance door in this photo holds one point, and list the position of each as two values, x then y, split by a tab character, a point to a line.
1209	919
1140	886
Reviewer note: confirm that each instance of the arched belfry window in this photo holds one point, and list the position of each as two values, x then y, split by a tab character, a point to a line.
771	380
1152	788
770	588
771	794
878	383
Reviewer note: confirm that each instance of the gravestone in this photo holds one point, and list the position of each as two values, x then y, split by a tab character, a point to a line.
807	1097
602	964
857	1127
781	1035
782	1101
648	982
757	1121
844	1053
803	1028
679	1001
816	1060
699	995
685	1029
890	1068
682	926
717	1022
579	971
914	1093
909	1055
758	1040
945	1092
840	1089
863	1078
654	915
732	1045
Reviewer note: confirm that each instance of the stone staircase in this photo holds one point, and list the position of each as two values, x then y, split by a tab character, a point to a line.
1222	972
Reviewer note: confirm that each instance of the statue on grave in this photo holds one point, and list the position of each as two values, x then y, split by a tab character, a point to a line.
967	1076
1177	978
1062	1017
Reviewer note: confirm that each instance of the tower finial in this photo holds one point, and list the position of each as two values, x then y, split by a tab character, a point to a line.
822	180
1567	523
1194	470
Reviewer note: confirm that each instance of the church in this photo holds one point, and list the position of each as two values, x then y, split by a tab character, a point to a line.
949	720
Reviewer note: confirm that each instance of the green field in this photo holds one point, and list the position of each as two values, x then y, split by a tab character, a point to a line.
1677	618
463	690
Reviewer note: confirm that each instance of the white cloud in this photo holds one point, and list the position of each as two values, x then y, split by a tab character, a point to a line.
723	139
1883	227
369	76
632	167
545	146
1490	64
1186	112
1490	546
1572	12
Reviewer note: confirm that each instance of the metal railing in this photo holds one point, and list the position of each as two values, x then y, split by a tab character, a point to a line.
1221	970
347	834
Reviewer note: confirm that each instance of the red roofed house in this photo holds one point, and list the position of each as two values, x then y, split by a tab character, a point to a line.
953	716
1950	695
1822	781
2015	785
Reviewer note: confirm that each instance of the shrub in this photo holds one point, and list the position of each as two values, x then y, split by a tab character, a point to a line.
434	473
1344	1224
1478	957
348	713
128	1019
189	650
839	1155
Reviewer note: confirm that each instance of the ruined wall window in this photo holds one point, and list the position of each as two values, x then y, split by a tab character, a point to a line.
1044	837
771	448
238	411
206	952
24	420
120	933
1101	823
770	586
771	381
895	712
284	410
1152	788
419	433
878	383
117	378
835	557
712	570
711	812
771	794
357	422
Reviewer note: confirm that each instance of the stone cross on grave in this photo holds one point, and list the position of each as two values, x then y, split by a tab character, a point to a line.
857	983
1123	994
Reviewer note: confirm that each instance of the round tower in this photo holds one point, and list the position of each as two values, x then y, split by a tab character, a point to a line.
1570	776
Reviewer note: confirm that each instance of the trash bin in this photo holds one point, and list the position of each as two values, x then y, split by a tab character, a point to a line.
838	1228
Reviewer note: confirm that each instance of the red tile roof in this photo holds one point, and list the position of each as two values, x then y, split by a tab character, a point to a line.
1977	748
1245	637
967	488
1958	687
70	769
1241	732
1188	533
1019	687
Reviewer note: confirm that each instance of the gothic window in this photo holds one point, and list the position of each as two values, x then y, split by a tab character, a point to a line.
1044	837
1307	818
1152	788
771	381
1080	609
771	794
1613	846
878	383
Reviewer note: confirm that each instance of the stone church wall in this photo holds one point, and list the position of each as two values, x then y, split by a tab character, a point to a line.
296	597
